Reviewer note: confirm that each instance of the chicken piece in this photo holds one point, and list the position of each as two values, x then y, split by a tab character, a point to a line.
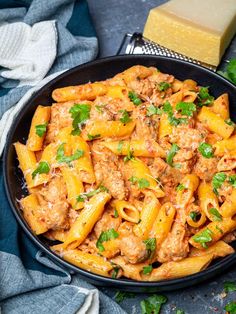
100	110
107	222
230	237
107	172
176	246
227	162
185	159
165	173
205	168
187	137
54	206
133	248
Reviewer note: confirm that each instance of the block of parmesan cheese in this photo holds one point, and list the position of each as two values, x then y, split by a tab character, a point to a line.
200	29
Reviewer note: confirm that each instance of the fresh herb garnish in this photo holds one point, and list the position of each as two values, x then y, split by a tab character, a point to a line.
206	150
180	187
93	137
129	156
134	98
116	215
169	158
229	286
230	72
120	146
194	216
204	98
215	214
152	110
67	159
220	230
153	304
122	295
167	108
115	272
125	116
230	122
150	244
232	180
41	129
203	237
180	312
142	182
217	181
231	307
43	167
84	196
186	108
106	236
79	113
147	269
163	86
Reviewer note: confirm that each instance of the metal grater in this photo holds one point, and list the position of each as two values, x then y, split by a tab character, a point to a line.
137	44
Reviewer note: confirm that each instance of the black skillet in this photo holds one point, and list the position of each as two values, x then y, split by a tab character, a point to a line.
96	71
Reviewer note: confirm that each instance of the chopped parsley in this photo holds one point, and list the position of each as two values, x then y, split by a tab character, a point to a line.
67	159
229	286
186	108
206	150
43	167
150	244
230	122
125	116
194	216
204	98
230	72
220	230
93	137
203	237
163	86
129	156
169	158
84	196
115	272
122	295
147	269
215	214
217	181
152	110
120	146
106	236
167	108
134	98
180	187
231	307
153	304
41	129
116	215
142	182
232	180
79	113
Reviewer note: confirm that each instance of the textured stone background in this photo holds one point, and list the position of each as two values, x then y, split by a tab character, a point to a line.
112	19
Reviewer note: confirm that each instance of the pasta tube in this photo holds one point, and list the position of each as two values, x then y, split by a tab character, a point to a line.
219	249
126	211
38	128
228	208
144	148
190	183
221	106
165	128
208	199
225	146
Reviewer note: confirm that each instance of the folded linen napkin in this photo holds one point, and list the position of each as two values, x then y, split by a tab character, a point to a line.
39	38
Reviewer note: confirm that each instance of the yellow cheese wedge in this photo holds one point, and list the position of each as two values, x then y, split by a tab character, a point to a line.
200	29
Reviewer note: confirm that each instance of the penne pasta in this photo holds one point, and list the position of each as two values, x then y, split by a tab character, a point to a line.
219	249
208	199
221	106
126	211
225	146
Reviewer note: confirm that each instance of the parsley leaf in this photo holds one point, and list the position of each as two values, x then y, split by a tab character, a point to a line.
153	304
125	116
150	244
120	146
152	110
142	182
82	197
217	181
194	216
167	108
106	236
179	312
215	214
204	98
163	86
206	150
115	272
232	180
93	137
116	215
169	158
129	156
186	108
229	286
230	72
43	167
122	295
180	187
231	307
134	98
220	230
230	122
67	159
147	269
203	237
41	129
79	113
